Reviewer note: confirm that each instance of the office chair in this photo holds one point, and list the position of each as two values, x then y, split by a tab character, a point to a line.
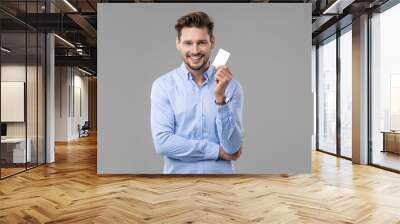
84	130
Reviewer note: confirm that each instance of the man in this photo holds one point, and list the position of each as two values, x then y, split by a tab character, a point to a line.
196	109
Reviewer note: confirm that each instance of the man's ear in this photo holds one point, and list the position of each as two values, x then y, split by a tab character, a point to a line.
177	41
212	40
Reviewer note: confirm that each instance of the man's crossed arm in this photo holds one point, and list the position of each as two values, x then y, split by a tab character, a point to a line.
169	144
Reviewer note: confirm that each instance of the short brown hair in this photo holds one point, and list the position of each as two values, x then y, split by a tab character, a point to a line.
194	19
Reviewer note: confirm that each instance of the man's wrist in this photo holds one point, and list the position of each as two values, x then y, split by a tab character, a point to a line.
220	100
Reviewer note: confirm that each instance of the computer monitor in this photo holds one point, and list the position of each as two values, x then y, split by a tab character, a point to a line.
3	129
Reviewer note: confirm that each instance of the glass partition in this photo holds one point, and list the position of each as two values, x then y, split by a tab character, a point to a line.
32	95
14	153
22	77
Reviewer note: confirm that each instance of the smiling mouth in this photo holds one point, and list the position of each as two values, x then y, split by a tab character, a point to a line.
196	58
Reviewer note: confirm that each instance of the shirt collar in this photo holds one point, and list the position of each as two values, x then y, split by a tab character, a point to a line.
207	74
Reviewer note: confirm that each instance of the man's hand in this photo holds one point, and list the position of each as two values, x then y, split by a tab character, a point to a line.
226	156
222	78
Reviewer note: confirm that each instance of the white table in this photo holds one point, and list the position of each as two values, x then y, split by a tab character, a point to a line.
18	145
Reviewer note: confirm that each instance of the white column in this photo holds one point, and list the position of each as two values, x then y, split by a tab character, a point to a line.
50	79
50	92
360	90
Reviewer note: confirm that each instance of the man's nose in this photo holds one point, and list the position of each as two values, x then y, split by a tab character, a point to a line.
195	48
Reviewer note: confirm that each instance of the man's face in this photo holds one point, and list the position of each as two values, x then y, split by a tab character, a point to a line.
195	47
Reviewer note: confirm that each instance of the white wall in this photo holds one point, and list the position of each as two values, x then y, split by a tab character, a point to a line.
69	82
33	127
17	73
79	117
14	73
62	80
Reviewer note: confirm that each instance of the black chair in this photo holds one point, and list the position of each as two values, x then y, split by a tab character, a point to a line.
84	130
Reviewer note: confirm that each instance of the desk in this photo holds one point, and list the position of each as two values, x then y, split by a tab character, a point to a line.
13	150
391	141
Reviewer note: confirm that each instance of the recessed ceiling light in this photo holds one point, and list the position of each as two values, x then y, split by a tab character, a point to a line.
84	71
338	6
64	40
70	5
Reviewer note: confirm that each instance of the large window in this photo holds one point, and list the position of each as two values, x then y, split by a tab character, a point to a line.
333	137
385	88
327	96
346	93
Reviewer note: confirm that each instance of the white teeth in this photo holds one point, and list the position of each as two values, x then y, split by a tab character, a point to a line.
196	58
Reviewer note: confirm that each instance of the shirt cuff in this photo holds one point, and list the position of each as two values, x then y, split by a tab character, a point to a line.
223	111
211	150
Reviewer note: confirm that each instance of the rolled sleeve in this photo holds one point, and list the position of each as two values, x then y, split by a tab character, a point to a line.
211	151
223	111
229	121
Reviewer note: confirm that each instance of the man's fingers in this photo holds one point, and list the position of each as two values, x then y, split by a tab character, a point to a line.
219	76
234	156
223	68
239	152
224	71
227	76
222	77
220	67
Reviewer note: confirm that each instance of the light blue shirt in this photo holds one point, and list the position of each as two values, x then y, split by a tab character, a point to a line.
187	126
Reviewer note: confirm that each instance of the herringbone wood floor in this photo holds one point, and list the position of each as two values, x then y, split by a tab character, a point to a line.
70	191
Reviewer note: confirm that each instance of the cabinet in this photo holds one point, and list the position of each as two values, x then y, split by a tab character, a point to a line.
391	142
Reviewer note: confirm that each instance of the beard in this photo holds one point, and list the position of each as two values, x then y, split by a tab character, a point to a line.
194	66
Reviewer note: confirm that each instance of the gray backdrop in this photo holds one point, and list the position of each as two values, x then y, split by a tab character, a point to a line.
270	47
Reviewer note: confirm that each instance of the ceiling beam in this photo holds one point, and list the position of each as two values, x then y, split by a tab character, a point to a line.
86	26
83	61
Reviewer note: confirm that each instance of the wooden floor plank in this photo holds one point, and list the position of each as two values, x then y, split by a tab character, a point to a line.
70	191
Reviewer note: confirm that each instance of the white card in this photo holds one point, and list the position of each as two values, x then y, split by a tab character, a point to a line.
221	58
